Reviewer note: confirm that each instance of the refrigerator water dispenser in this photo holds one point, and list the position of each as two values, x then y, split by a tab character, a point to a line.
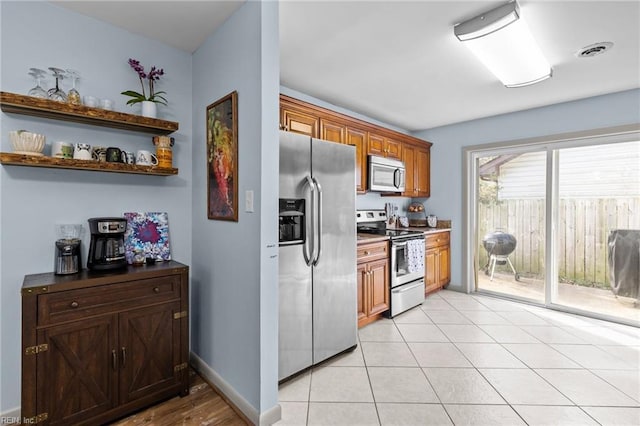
291	221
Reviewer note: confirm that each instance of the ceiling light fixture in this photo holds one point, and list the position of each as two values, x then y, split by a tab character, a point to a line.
501	40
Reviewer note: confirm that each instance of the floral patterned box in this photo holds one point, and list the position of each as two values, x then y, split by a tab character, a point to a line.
148	232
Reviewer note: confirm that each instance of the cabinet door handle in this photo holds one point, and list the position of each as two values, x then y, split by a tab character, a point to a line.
124	356
114	359
74	304
156	289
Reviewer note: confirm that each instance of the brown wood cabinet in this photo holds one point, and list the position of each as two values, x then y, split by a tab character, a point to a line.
299	122
417	163
302	117
384	147
437	261
358	138
373	281
98	346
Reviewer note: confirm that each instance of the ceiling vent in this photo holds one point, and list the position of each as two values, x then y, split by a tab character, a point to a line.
594	49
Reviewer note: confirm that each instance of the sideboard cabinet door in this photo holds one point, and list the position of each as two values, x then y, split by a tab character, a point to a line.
73	383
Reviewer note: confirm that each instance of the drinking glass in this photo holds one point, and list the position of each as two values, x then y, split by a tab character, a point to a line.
38	91
57	94
73	97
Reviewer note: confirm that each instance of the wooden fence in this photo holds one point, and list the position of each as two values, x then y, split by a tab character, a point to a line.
583	230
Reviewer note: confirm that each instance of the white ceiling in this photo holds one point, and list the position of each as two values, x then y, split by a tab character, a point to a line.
399	62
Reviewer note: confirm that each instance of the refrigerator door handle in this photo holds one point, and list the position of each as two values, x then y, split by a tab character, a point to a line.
318	219
307	251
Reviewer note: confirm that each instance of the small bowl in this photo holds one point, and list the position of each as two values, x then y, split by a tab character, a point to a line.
28	143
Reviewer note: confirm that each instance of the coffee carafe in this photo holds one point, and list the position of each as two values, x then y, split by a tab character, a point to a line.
67	258
106	249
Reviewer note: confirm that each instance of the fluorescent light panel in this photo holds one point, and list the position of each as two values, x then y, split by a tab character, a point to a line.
501	40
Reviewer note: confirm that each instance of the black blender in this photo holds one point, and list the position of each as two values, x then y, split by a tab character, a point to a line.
67	259
106	249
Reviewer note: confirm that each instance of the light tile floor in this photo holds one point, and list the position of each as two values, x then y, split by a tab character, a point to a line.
475	360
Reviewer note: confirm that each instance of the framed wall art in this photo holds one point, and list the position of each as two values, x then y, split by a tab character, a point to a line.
222	158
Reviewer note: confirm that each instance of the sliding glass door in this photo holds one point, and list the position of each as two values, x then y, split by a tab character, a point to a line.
510	205
599	229
558	223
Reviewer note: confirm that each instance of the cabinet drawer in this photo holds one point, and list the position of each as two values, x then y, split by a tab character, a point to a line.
373	251
439	239
74	304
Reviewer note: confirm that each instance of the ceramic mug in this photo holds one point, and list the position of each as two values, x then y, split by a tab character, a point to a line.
99	153
90	101
82	151
146	158
106	104
62	150
128	157
114	155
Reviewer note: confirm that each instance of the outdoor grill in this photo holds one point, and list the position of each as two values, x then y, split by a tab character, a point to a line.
499	245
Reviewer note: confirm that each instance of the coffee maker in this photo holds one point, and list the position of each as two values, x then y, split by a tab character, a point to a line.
106	249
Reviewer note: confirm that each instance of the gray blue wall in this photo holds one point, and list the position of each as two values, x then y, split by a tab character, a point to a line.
448	141
234	278
33	200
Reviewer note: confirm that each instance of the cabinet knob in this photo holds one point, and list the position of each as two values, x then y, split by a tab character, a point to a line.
74	304
366	253
156	289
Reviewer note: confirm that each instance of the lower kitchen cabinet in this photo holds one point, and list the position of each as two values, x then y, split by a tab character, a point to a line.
373	281
99	346
437	261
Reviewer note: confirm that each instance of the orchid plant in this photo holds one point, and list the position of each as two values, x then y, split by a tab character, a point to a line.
153	76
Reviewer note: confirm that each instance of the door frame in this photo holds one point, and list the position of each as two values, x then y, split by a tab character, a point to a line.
550	143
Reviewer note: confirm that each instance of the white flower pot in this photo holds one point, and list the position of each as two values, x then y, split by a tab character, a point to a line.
149	109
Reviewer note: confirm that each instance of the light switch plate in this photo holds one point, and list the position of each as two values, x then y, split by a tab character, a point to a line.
248	201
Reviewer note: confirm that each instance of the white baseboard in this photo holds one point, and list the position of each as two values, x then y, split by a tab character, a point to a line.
268	417
10	417
271	416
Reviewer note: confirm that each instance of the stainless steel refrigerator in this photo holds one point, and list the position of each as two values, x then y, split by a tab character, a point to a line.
317	252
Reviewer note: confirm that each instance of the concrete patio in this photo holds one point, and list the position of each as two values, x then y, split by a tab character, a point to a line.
597	300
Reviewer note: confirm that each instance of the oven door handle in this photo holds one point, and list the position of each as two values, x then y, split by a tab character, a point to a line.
318	219
399	244
307	251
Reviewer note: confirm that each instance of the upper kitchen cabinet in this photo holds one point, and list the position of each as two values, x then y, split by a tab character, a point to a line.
332	131
369	139
358	138
416	160
384	147
294	118
335	131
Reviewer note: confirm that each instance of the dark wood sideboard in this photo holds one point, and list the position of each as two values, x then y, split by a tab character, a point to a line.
98	346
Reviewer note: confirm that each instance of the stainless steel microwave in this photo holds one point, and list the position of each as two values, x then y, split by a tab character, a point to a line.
386	174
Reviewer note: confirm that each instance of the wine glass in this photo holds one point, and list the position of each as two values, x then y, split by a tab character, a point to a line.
38	91
57	94
73	97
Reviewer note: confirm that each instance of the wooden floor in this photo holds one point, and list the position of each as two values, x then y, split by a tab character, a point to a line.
203	406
